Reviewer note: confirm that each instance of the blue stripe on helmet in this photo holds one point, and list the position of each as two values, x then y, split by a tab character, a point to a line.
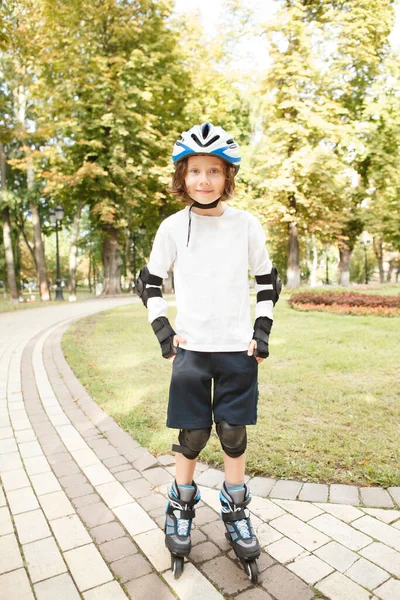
184	152
221	152
189	151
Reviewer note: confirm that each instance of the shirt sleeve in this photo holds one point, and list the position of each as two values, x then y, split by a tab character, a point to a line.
162	257
260	268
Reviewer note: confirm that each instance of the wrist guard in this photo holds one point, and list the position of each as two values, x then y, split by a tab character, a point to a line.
165	335
262	329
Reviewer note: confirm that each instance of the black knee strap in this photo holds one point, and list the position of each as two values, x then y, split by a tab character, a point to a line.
233	438
192	442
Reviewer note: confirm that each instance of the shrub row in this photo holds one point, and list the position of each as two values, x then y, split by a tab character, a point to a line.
343	309
349	299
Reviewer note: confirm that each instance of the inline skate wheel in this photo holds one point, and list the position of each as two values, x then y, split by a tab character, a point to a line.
177	566
251	569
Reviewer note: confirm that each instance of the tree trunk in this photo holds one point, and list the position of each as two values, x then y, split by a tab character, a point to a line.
94	273
37	236
129	274
31	250
4	278
392	264
17	255
293	270
314	263
21	101
73	254
378	249
12	282
39	253
344	266
90	272
112	262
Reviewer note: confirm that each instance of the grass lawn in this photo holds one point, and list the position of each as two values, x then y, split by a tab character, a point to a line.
329	407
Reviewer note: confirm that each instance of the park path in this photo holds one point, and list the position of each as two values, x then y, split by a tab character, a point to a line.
82	504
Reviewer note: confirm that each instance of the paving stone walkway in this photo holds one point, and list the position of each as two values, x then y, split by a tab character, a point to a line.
82	504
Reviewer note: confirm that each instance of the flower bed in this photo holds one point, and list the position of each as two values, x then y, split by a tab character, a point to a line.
347	303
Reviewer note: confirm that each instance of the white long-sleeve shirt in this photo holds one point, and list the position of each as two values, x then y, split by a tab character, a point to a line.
211	277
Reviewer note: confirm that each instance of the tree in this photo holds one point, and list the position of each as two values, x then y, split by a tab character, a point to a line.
299	177
354	36
382	209
114	81
7	241
19	74
215	88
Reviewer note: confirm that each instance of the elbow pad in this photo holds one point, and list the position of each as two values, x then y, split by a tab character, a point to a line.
270	279
144	279
165	335
262	329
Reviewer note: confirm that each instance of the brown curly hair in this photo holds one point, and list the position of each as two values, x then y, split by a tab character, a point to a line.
178	187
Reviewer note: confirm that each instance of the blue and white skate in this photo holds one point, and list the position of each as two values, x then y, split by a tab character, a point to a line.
178	523
239	530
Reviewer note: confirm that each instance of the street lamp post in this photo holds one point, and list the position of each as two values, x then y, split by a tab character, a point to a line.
134	254
135	234
56	216
365	244
327	267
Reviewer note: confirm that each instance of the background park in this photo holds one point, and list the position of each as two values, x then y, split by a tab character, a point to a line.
93	96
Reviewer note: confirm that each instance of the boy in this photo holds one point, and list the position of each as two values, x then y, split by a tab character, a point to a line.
211	245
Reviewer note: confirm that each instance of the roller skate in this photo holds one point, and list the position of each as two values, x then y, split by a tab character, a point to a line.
239	530
178	522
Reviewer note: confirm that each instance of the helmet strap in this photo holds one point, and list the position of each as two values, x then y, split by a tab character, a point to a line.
206	206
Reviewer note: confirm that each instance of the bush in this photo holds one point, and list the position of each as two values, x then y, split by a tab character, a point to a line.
345	298
346	303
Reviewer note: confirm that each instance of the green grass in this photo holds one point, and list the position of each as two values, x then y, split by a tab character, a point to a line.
329	406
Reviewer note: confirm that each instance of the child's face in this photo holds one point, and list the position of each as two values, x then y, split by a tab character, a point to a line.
205	178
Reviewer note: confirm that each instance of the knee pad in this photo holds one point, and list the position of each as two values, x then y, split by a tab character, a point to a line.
233	438
192	442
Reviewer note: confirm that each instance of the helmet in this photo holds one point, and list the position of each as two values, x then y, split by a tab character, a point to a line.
207	139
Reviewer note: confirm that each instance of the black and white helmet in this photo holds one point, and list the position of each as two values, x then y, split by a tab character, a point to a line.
207	139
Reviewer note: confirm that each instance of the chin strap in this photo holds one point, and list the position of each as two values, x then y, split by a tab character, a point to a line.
189	226
204	207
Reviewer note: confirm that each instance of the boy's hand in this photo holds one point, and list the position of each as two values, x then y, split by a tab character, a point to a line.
250	351
178	339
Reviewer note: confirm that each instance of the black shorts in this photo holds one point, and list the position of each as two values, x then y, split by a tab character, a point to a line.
191	402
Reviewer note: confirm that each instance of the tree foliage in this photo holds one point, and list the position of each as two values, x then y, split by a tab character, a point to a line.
93	96
383	153
311	164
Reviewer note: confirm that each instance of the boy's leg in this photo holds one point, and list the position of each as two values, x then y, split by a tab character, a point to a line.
235	469
189	408
235	406
183	495
184	469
